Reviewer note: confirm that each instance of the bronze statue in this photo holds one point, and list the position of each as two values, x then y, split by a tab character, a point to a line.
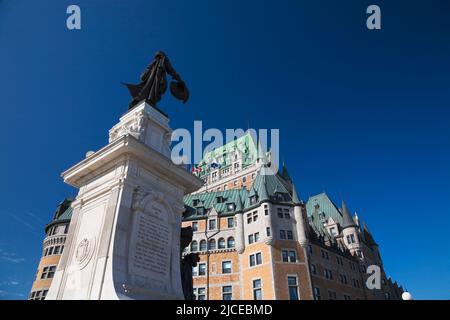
187	262
154	83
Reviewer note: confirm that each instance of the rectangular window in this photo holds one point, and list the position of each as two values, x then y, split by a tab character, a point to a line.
293	289
250	239
212	224
57	250
285	255
230	222
280	213
249	218
227	293
289	235
310	249
266	210
347	297
252	260
194	271
255	259
202	269
282	234
257	290
268	231
313	269
226	266
50	251
317	295
331	295
258	258
255	216
287	215
195	226
256	236
201	293
66	228
333	231
48	272
292	256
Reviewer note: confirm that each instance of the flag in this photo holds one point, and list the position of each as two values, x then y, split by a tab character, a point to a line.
196	169
214	165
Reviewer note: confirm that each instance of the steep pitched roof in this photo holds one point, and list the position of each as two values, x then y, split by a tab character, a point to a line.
295	198
347	220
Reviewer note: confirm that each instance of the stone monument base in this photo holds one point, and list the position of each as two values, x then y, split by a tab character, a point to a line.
124	237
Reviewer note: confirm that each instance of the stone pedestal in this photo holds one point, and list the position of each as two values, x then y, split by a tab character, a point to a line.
124	237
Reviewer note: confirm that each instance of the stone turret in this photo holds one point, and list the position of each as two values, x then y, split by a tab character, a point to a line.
298	215
350	232
239	235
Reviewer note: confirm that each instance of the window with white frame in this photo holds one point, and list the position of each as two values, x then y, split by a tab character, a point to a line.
293	288
226	266
257	289
227	293
202	269
255	259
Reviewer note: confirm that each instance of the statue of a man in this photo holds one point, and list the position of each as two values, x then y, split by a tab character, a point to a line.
154	83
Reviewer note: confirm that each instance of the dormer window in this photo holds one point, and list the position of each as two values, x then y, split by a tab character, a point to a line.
195	202
200	211
253	199
220	199
333	231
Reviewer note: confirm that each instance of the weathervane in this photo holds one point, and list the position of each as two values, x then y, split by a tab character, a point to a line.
154	83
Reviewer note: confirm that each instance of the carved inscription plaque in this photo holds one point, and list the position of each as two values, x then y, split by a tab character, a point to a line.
150	256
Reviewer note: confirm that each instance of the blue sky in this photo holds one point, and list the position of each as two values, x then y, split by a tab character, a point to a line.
363	115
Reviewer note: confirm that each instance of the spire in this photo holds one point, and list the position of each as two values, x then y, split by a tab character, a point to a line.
295	198
261	153
347	220
285	174
356	218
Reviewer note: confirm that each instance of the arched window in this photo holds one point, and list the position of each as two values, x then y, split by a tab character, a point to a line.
221	243
212	244
203	245
194	246
230	242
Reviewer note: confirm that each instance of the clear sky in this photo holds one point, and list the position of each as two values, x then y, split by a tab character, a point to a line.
363	115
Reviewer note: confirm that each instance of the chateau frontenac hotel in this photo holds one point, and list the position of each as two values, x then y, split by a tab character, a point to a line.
256	238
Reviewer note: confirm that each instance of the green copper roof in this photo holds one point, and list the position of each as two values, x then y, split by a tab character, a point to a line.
264	188
63	213
319	208
223	155
295	198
